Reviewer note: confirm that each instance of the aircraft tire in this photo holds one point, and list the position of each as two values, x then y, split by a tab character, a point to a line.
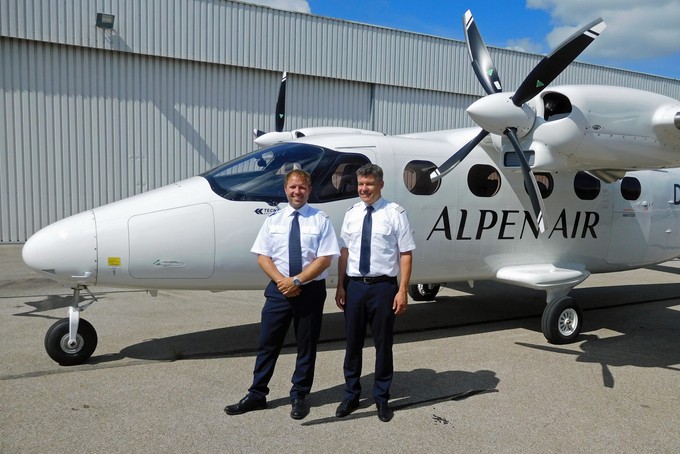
423	292
56	341
562	321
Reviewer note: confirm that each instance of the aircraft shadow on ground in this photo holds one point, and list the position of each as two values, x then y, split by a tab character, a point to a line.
51	302
645	332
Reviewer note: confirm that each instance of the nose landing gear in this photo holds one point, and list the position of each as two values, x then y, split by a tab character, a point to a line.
72	340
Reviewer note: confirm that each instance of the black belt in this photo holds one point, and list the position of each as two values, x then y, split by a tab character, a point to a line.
374	279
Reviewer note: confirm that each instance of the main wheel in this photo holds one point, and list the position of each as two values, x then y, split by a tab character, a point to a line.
423	292
56	342
562	320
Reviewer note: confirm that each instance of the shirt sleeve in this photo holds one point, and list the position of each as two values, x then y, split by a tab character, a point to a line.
261	245
342	239
405	240
328	245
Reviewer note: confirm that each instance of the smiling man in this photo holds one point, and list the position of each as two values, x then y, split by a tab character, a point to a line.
375	247
294	248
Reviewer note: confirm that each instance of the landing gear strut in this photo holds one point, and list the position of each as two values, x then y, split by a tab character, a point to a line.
72	340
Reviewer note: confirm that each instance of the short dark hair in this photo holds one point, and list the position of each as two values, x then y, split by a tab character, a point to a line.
371	170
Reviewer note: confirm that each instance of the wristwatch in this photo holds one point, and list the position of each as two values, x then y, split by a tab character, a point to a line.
296	281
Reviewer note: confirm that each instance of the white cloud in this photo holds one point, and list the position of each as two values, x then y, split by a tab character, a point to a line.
635	30
300	6
524	45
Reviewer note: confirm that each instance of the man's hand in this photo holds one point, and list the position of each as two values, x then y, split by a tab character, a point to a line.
286	286
340	298
400	302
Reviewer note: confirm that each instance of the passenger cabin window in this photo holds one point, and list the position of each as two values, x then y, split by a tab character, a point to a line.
259	175
417	178
631	188
586	186
545	184
484	180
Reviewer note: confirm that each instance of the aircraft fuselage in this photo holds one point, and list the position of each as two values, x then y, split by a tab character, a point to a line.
187	236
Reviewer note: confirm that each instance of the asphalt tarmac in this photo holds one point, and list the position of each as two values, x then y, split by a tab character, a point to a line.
473	373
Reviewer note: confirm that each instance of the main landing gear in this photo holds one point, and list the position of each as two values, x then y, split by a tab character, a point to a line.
72	340
423	292
562	320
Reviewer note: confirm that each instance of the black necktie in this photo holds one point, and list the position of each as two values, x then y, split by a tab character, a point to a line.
294	247
365	257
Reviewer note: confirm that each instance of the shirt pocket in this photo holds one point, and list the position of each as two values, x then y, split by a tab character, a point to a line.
351	234
278	229
383	238
310	230
354	228
382	230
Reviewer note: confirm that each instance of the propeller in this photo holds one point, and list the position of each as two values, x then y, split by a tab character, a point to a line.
505	113
279	117
281	105
479	56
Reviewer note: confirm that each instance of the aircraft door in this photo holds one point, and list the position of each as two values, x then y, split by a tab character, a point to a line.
674	218
631	228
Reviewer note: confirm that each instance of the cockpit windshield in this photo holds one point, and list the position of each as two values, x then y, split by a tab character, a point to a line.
259	175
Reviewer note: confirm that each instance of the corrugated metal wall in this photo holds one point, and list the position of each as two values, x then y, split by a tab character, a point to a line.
90	116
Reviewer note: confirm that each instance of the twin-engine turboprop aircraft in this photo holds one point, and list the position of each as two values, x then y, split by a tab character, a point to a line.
559	183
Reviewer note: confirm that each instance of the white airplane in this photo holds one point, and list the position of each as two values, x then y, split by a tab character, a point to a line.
557	184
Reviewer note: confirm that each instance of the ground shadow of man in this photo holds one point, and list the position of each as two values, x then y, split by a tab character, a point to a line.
414	389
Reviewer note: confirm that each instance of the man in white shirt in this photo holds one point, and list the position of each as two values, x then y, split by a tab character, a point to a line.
296	293
375	248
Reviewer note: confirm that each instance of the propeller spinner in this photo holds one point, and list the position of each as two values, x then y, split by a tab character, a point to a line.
507	113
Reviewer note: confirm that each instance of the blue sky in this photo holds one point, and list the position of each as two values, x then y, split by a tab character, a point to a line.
640	36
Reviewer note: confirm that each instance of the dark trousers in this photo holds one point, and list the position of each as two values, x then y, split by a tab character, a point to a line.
369	304
305	311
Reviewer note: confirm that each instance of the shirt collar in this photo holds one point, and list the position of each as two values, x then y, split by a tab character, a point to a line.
288	210
377	204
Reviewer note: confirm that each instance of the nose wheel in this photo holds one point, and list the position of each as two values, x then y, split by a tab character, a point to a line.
66	352
562	320
72	340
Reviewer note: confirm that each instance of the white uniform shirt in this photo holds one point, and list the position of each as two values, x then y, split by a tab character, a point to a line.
317	237
391	235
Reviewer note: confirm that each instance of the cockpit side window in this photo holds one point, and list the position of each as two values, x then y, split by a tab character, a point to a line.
259	175
340	182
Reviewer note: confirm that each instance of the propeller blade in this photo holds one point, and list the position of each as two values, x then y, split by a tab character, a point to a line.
529	180
257	133
454	160
281	105
551	66
479	55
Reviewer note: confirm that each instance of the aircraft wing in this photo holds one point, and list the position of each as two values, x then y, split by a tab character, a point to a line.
545	276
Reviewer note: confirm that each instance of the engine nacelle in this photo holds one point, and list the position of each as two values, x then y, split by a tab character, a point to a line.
599	127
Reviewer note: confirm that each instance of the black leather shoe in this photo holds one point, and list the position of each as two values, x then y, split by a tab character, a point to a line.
248	403
346	407
299	409
385	413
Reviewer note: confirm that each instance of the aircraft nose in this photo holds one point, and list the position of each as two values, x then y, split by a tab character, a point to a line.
66	250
